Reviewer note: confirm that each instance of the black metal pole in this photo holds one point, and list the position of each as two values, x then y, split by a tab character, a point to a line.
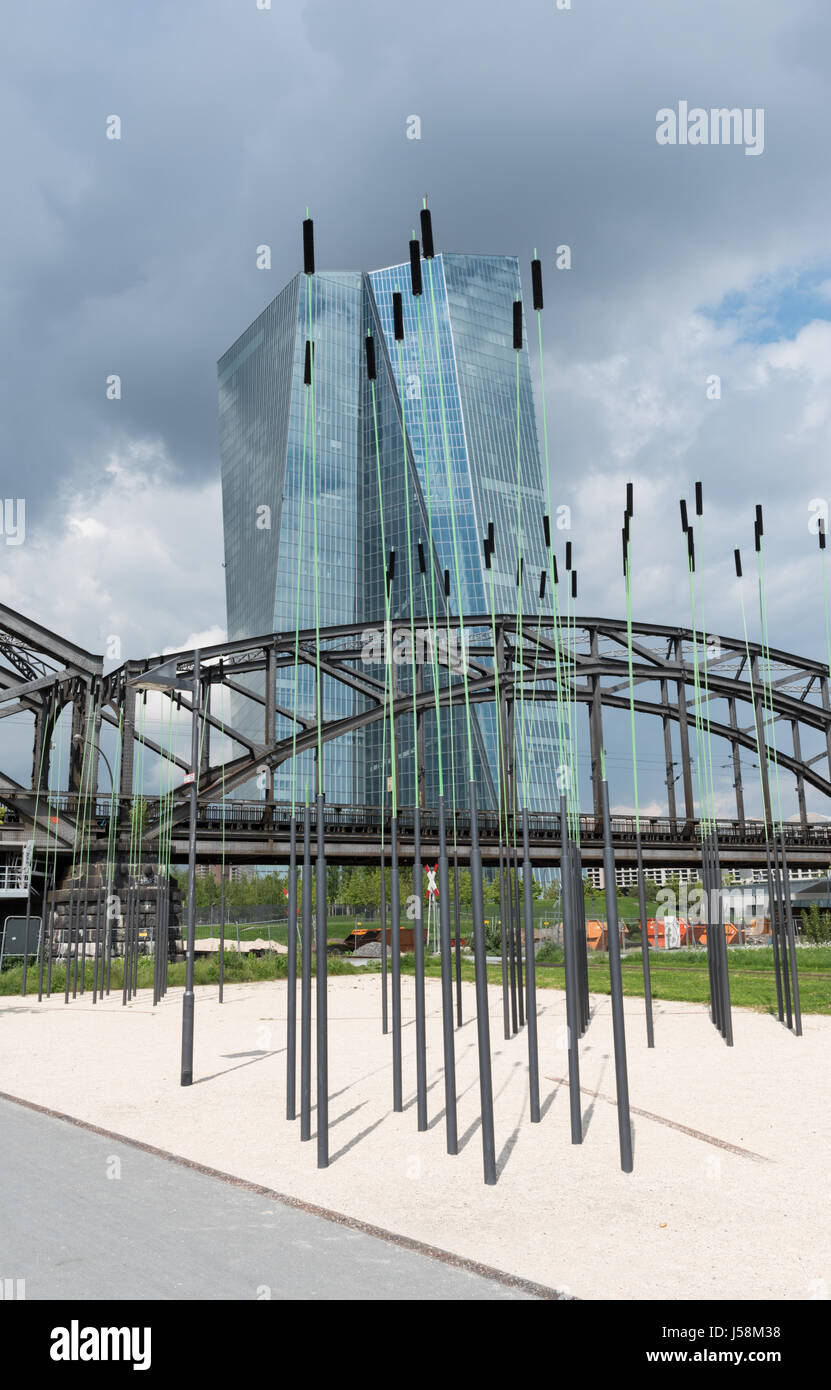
321	982
727	1013
100	955
156	925
713	934
572	1020
85	929
647	973
128	943
80	933
383	915
162	892
165	950
457	927
76	948
306	983
97	948
110	917
188	998
503	939
222	938
161	931
68	952
138	929
712	952
395	952
482	1020
157	943
125	939
45	918
51	949
291	978
773	938
616	980
797	1009
581	953
517	927
780	926
28	916
447	988
530	974
511	938
418	943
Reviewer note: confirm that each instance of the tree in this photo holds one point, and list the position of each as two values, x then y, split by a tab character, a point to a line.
673	885
491	890
816	928
333	875
362	890
465	890
650	888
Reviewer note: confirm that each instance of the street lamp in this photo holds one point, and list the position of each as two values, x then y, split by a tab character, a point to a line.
165	678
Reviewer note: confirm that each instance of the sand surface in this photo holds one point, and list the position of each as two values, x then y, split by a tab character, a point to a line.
736	1207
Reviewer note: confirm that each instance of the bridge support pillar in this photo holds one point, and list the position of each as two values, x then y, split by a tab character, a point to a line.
670	765
78	736
737	765
800	780
759	715
684	734
128	725
205	731
40	745
826	705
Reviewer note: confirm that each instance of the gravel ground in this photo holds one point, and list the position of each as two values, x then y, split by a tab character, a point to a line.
727	1199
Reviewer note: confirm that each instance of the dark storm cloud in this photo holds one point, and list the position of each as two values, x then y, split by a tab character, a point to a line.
137	256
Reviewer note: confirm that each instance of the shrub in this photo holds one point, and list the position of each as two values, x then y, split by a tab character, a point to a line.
816	928
493	939
550	953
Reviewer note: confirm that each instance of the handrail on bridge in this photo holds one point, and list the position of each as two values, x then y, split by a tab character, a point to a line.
260	816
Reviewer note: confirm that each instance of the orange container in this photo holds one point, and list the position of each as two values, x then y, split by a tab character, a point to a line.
656	932
597	937
730	931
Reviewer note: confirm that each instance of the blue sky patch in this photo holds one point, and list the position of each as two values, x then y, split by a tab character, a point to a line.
776	306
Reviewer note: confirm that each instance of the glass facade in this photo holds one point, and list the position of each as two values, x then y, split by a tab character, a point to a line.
450	418
469	406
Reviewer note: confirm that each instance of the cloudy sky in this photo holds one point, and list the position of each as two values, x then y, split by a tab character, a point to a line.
137	257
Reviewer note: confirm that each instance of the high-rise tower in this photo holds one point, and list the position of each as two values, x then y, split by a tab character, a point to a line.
447	446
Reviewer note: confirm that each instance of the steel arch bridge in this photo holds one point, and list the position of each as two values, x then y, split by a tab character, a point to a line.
766	702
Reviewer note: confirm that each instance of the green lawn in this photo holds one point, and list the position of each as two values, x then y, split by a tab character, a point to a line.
683	975
680	975
338	928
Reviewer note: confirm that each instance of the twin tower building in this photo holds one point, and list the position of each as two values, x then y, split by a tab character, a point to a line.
434	445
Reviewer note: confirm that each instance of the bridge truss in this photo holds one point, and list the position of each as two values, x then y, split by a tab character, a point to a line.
770	704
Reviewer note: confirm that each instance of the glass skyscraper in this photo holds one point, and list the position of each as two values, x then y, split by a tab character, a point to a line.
446	433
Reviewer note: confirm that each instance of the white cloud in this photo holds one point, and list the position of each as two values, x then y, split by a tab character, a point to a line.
140	560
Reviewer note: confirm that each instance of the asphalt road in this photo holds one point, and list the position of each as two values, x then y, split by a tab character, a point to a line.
83	1216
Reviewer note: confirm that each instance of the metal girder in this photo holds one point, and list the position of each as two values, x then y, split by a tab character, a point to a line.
19	660
49	644
587	674
23	688
25	802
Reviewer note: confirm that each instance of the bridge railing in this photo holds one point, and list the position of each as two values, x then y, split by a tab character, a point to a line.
258	817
